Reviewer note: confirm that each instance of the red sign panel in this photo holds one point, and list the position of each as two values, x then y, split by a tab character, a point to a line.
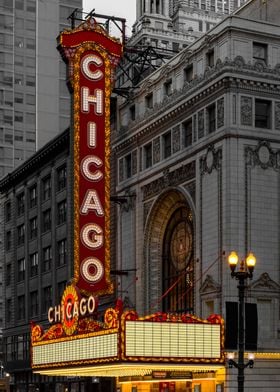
92	56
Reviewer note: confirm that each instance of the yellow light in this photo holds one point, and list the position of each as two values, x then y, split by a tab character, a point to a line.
251	260
233	259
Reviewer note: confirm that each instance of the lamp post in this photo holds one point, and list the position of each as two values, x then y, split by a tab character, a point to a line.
244	272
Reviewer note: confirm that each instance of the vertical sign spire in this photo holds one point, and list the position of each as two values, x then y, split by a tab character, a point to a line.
91	56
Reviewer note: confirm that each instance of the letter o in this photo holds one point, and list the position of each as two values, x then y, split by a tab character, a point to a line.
92	270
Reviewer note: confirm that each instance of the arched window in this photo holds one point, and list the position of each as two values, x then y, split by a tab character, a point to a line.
178	265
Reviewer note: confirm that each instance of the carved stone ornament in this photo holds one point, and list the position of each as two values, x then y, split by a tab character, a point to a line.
211	160
265	283
220	112
209	286
134	162
277	115
176	139
174	178
200	123
246	110
156	150
263	156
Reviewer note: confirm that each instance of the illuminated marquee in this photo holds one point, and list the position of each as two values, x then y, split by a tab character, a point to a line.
124	339
92	56
72	307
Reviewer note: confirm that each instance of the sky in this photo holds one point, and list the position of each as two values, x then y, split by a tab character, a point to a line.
118	8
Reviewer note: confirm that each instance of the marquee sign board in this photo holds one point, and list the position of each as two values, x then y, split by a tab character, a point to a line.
124	340
91	56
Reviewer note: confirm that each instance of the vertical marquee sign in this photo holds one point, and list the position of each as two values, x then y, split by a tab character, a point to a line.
91	56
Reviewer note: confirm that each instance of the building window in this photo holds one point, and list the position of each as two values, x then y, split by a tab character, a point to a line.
128	168
148	155
47	258
46	299
211	118
21	269
187	133
132	112
260	52
20	234
33	227
8	241
33	196
34	264
60	289
34	303
188	73
210	58
8	274
21	307
168	87
61	178
9	310
46	188
46	220
20	203
61	212
61	252
149	101
166	144
8	211
262	114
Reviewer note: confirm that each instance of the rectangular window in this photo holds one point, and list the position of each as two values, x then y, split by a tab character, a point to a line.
9	310
34	264
188	73
8	274
149	101
128	171
168	87
132	112
46	298
47	258
18	97
260	52
8	241
30	80
60	289
21	269
20	234
33	227
210	58
34	303
211	118
61	212
8	211
61	178
166	144
33	196
262	114
46	220
20	203
61	252
148	155
46	188
187	133
21	307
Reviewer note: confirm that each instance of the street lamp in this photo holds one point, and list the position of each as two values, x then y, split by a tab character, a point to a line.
245	271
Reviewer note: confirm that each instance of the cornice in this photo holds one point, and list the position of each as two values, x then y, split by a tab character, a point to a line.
43	156
225	74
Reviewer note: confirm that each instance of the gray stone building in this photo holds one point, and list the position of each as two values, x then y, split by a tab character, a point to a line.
197	146
35	250
34	100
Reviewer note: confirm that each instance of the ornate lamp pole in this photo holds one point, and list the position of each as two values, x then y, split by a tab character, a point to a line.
245	271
